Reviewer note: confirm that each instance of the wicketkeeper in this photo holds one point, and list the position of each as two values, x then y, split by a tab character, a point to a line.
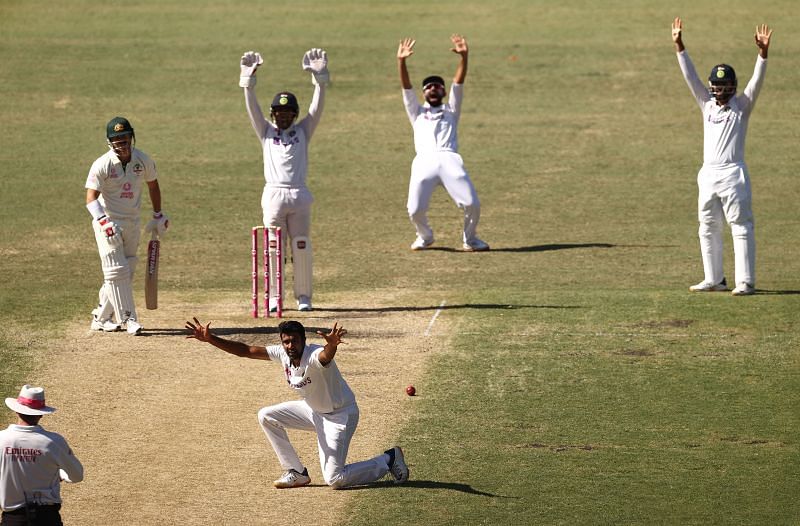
113	198
286	200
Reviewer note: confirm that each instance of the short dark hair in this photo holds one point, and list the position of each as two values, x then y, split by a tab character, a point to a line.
31	420
292	327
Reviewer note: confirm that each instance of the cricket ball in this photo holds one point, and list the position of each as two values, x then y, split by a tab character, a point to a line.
410	390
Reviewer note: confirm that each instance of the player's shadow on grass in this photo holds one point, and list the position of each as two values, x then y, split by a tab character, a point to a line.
767	292
503	306
430	484
533	248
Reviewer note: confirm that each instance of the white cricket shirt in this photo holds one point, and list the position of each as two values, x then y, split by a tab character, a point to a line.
121	190
30	460
285	151
435	129
322	387
724	127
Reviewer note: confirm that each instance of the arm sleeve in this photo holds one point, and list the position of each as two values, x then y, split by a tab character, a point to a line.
753	87
254	112
456	96
311	120
69	464
696	85
411	103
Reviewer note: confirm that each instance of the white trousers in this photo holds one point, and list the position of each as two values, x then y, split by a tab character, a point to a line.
441	169
334	432
290	209
725	195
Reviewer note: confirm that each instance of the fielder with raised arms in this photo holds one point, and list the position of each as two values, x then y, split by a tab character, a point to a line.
328	407
114	198
286	200
723	180
438	162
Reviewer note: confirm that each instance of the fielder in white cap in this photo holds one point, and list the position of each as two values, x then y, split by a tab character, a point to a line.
286	200
327	408
438	162
724	181
33	463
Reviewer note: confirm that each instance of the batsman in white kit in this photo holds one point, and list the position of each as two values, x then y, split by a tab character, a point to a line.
437	161
327	407
723	180
114	198
286	200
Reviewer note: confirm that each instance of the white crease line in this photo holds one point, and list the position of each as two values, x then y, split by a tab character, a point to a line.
433	319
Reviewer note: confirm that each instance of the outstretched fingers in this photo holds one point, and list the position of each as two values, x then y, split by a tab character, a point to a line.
198	330
406	48
763	35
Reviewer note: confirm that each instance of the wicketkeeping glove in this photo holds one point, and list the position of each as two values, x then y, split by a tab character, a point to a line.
159	223
249	64
316	61
111	230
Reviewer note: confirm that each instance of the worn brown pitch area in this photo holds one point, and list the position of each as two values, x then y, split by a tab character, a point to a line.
166	426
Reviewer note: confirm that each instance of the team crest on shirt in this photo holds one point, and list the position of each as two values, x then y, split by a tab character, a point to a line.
113	173
137	169
127	192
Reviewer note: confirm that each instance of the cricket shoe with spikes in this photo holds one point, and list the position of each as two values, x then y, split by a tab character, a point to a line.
293	479
421	244
105	325
133	327
476	245
397	465
743	289
707	286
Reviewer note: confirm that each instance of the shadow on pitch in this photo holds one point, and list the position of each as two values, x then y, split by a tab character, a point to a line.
500	306
767	292
430	484
534	248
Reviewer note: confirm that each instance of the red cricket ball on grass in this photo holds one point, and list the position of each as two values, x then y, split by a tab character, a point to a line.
410	390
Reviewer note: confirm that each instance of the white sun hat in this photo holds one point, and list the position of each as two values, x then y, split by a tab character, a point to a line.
30	402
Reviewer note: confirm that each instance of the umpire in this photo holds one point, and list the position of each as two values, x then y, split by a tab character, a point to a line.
33	462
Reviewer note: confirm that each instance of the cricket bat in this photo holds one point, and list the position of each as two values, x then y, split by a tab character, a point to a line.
151	276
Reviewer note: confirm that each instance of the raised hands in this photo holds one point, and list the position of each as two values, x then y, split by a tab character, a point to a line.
315	60
199	331
406	48
459	44
762	36
677	37
334	337
248	66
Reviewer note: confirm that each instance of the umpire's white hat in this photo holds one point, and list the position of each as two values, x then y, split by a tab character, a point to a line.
30	402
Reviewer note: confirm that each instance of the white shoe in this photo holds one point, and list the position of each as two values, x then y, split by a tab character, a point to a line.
476	245
304	304
133	327
421	244
293	479
105	326
744	289
707	286
397	466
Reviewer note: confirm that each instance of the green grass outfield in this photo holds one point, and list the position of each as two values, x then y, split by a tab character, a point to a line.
584	385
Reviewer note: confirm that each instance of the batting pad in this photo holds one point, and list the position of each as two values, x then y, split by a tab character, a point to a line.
302	264
122	299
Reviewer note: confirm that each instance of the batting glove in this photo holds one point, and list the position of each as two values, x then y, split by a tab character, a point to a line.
249	64
111	230
316	61
159	223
